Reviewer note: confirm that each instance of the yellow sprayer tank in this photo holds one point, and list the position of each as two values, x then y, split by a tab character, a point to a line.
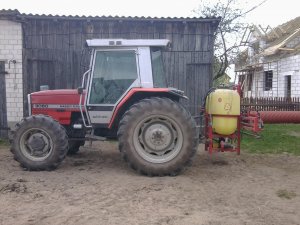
223	102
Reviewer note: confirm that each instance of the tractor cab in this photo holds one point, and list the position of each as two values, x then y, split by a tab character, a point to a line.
120	68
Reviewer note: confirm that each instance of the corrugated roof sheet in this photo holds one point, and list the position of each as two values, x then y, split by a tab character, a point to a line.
17	14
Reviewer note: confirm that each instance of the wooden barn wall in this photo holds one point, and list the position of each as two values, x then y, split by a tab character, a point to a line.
3	111
54	52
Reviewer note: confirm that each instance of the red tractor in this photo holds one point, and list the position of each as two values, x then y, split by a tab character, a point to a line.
123	95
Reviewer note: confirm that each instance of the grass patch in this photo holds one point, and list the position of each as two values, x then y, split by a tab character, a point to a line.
275	139
286	194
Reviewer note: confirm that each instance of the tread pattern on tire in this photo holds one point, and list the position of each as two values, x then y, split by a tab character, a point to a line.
178	111
59	138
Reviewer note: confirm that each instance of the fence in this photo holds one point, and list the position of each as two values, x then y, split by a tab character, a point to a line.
271	104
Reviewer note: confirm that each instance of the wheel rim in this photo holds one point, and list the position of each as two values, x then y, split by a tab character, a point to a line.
158	139
36	144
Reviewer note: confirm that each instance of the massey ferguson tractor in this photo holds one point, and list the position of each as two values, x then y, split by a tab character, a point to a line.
124	95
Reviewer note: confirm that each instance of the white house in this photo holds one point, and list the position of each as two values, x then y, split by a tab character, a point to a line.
270	67
10	69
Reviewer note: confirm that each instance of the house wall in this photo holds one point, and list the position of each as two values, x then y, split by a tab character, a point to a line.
290	66
11	49
281	68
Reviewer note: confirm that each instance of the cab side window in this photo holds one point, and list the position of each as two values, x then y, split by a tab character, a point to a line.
114	72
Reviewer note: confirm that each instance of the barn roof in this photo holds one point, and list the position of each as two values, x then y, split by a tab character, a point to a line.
15	14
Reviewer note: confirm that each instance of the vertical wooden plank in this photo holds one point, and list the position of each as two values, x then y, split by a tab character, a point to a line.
58	30
58	70
197	86
34	34
185	37
150	30
190	87
52	34
3	112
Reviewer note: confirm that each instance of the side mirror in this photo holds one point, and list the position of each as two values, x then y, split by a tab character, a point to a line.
80	90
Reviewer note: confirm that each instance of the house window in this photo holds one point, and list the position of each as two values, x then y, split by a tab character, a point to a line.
288	85
250	81
268	80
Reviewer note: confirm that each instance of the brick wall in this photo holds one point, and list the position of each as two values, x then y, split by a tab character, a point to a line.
290	66
10	52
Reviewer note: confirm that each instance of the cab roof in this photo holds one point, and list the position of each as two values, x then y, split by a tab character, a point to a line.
127	42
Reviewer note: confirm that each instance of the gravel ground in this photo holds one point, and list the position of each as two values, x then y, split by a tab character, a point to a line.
97	187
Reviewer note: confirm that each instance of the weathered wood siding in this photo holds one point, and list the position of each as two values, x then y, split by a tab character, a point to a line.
3	115
53	51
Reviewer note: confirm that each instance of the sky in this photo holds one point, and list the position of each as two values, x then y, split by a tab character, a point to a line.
273	12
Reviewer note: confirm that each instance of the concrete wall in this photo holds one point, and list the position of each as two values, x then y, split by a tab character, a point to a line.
286	66
289	66
10	50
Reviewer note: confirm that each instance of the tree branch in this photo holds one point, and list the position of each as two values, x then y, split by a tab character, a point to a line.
230	27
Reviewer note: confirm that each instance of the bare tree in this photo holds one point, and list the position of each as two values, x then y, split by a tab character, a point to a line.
230	30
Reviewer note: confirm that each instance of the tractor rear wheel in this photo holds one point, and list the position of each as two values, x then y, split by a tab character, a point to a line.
39	143
157	137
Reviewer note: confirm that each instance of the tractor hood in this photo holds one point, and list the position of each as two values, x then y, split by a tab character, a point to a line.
64	96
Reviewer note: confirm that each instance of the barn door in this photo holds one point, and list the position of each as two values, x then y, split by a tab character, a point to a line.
198	81
3	113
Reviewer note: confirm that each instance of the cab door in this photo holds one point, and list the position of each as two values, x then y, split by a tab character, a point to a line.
114	73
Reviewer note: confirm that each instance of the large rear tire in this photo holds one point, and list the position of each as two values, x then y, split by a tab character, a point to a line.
157	137
39	143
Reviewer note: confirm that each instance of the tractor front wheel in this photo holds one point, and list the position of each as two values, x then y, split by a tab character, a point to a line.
39	143
157	137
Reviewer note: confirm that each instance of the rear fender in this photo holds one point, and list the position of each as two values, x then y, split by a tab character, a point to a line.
139	94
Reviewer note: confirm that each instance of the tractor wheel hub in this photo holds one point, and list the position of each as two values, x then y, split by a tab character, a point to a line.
158	136
38	143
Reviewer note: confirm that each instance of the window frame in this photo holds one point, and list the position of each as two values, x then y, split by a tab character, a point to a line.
93	69
288	86
268	85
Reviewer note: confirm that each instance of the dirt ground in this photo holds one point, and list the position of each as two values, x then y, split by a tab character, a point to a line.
97	187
